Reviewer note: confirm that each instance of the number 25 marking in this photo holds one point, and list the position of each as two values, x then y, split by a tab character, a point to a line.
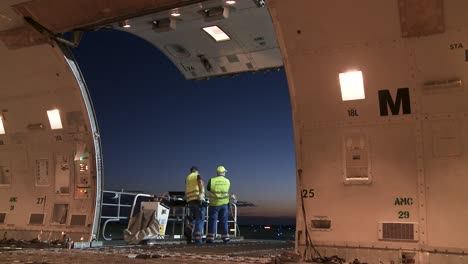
308	193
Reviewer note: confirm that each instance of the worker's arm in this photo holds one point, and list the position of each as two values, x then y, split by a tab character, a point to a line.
208	185
200	187
200	183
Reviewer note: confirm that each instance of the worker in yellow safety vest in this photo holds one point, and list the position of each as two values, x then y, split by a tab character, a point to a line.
195	197
219	205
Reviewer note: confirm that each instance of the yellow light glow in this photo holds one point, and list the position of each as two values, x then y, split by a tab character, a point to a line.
230	2
54	119
352	85
2	128
216	33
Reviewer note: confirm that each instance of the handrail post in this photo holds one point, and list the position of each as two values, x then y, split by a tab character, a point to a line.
118	207
235	220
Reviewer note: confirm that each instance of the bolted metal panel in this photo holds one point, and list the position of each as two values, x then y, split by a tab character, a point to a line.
5	176
414	114
421	17
22	37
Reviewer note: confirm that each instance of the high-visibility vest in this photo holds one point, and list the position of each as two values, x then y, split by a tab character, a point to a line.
191	187
219	191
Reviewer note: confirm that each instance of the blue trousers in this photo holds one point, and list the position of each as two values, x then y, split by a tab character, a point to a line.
197	212
218	213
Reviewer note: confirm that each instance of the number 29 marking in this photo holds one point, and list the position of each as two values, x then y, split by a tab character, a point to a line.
403	214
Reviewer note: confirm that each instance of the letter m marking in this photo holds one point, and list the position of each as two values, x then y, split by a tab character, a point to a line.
402	100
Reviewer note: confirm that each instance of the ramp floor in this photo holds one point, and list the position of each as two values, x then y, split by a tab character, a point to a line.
245	251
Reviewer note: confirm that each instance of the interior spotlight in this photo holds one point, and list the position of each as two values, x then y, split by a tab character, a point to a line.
124	24
175	13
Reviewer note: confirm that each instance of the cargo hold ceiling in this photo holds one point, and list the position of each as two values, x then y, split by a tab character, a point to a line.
249	42
61	16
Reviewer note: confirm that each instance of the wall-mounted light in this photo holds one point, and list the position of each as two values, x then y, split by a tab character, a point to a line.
217	33
125	24
2	128
230	2
54	119
352	85
35	126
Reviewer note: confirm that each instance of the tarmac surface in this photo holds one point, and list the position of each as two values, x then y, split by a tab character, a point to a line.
246	251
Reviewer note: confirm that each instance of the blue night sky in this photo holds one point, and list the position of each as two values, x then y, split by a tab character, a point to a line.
155	124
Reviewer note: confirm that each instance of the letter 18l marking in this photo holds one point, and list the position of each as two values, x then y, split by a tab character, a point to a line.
352	112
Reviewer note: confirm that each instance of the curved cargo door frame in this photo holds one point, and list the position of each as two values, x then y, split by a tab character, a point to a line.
96	137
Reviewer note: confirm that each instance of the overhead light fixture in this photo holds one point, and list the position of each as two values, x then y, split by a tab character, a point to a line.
216	13
54	119
164	24
175	13
217	33
352	85
230	2
125	24
2	128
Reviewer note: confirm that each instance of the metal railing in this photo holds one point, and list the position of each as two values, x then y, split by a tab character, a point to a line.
118	216
175	218
135	200
232	219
